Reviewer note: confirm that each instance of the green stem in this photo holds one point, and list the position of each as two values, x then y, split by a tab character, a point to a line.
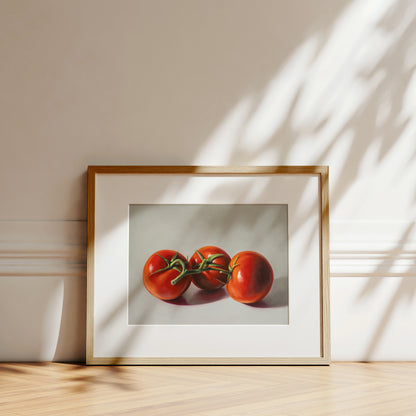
208	264
182	265
174	264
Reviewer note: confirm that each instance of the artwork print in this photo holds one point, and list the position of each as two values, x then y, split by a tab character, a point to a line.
193	264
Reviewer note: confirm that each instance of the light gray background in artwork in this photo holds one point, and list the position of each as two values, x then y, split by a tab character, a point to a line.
185	228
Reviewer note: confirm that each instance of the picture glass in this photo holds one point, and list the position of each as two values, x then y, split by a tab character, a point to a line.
184	228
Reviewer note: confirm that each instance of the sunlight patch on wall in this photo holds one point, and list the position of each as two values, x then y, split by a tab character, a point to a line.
220	146
345	74
274	107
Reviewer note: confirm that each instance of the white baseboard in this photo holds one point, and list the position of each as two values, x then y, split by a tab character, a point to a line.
373	319
373	249
43	248
42	290
373	290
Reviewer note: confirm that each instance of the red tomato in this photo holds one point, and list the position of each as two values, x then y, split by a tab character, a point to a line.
251	277
161	270
215	262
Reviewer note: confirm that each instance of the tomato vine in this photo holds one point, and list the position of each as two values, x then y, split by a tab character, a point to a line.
207	263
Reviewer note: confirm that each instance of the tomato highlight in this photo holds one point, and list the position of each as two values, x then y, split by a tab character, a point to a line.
251	277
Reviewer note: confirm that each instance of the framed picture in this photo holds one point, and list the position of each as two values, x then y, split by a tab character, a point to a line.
208	265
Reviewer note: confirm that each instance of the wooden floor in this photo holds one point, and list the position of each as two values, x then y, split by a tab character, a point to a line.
373	389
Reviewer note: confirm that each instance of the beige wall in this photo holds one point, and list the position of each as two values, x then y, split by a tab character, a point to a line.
207	82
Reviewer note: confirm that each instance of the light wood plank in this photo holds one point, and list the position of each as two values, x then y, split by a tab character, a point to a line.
353	389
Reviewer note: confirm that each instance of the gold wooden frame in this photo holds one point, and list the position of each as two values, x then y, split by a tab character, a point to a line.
320	171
